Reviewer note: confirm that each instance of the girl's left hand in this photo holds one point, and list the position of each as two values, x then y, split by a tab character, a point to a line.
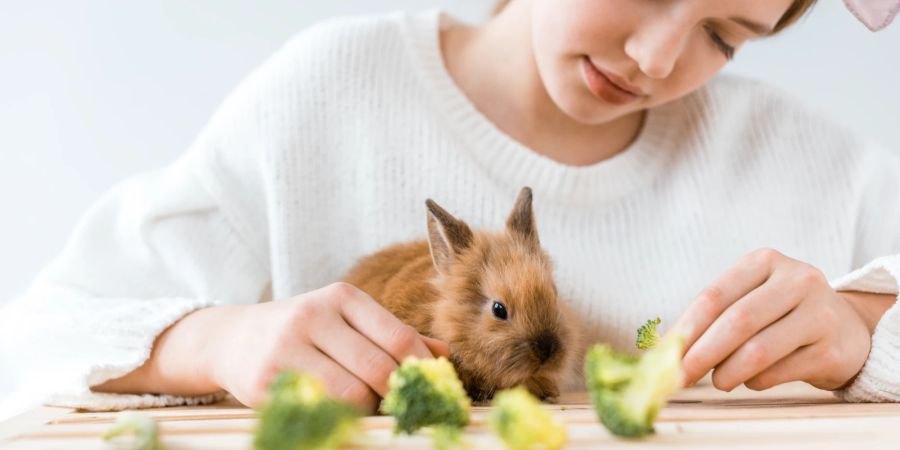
771	319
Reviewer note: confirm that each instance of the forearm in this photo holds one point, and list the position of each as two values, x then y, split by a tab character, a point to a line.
870	307
181	360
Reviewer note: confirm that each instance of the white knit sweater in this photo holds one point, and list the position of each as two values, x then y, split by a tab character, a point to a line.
328	151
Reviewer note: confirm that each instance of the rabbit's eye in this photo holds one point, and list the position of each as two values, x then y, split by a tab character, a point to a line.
499	310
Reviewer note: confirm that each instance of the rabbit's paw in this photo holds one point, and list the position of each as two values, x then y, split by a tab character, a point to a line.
543	388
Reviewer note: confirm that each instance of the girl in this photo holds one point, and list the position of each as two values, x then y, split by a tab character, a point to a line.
766	234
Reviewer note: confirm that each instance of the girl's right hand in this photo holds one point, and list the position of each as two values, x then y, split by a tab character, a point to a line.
338	333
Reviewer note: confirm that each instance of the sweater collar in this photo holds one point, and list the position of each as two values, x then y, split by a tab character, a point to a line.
515	165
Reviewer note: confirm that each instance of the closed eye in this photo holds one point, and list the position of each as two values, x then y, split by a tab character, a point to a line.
720	43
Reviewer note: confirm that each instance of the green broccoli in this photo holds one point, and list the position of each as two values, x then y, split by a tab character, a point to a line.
647	336
628	392
299	415
447	437
522	424
426	392
144	428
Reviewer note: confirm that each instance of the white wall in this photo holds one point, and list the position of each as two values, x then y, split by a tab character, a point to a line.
94	90
835	63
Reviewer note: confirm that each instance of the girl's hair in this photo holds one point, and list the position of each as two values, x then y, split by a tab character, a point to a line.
794	13
500	5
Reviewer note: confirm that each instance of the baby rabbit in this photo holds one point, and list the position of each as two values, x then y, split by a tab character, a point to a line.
490	295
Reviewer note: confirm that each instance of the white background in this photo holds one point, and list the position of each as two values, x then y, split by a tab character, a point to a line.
95	90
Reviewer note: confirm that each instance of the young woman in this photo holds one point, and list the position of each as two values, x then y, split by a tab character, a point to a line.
765	233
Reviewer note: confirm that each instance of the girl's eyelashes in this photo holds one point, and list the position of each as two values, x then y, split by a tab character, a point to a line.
720	43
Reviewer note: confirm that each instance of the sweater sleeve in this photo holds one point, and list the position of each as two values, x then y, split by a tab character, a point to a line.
153	249
159	246
877	253
163	244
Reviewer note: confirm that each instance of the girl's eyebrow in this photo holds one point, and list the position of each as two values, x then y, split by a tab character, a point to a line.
755	27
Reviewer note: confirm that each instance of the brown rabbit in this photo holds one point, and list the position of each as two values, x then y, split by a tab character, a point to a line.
490	295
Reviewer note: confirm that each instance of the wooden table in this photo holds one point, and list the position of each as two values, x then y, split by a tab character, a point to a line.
792	416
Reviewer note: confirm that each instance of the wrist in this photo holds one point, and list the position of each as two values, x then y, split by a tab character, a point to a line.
220	325
869	307
184	352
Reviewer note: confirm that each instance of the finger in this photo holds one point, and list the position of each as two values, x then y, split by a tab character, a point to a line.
769	346
356	353
380	326
338	381
748	273
799	365
437	346
738	324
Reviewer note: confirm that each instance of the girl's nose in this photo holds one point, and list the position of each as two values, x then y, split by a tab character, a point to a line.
656	46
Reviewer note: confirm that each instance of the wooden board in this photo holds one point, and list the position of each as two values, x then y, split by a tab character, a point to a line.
793	416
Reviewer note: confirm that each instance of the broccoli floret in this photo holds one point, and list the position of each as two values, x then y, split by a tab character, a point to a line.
426	392
447	437
522	424
144	429
299	415
628	392
647	336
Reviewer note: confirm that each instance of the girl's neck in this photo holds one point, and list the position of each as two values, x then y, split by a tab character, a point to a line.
493	64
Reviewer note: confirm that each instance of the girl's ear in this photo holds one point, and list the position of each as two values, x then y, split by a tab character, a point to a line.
447	236
521	220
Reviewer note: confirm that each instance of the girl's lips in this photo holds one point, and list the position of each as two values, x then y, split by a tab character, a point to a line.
604	88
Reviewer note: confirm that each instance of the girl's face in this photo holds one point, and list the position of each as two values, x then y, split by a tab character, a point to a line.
659	50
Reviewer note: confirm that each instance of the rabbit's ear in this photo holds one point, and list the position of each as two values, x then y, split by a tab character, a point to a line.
521	220
447	236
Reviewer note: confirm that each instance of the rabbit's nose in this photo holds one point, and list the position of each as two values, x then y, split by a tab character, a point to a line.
545	346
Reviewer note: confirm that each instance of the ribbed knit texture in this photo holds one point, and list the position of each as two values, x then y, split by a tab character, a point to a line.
328	151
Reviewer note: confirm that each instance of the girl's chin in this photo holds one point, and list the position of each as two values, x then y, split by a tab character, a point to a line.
586	110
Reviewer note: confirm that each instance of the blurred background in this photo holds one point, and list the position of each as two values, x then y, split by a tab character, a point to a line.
95	90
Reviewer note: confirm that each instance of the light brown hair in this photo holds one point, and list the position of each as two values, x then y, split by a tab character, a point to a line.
791	16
